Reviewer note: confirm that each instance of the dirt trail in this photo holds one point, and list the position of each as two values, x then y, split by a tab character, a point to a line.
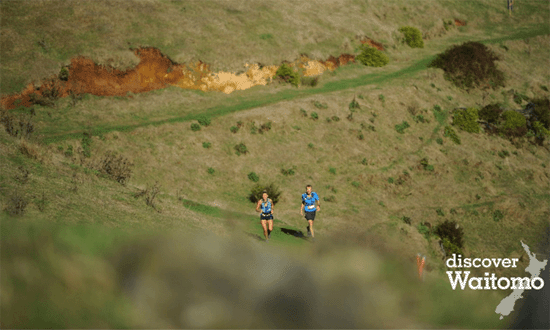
156	71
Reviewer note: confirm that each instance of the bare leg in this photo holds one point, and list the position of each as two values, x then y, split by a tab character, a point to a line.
265	227
311	227
270	222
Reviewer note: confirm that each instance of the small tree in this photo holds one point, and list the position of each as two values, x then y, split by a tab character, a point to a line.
413	37
286	73
371	56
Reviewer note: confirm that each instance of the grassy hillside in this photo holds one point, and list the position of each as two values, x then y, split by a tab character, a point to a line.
65	216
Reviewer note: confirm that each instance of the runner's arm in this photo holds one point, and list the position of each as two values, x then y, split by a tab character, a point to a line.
258	206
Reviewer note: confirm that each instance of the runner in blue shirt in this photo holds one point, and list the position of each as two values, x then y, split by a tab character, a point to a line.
266	218
308	205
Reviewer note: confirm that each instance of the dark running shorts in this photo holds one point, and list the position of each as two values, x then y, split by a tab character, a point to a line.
310	215
268	216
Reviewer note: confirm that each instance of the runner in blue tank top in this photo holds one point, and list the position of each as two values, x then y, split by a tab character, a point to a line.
266	218
308	205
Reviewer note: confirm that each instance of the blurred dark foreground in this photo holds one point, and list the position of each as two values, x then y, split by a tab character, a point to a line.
89	277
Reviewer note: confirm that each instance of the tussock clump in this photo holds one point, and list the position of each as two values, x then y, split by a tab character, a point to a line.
470	65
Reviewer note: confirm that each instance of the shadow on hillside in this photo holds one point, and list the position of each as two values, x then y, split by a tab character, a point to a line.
294	233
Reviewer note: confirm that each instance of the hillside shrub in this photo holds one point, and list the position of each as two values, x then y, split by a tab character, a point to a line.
204	120
265	127
314	116
490	113
63	74
470	65
207	145
17	126
371	56
466	120
234	129
541	111
452	236
195	127
320	105
116	166
540	131
514	123
286	73
253	177
413	37
400	128
257	191
16	204
86	144
241	149
450	133
290	171
423	230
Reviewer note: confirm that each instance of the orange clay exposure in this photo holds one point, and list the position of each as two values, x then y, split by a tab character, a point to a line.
156	71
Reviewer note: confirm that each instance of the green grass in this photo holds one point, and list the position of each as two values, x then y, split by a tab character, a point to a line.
97	221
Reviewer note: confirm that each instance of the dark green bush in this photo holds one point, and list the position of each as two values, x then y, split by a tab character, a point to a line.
413	37
490	113
206	145
450	133
86	144
234	129
257	192
63	74
320	105
195	127
241	149
371	56
69	151
314	116
287	172
450	248
452	232
204	120
470	65
514	123
211	170
423	230
400	128
541	111
466	120
265	127
354	105
286	73
498	215
253	177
